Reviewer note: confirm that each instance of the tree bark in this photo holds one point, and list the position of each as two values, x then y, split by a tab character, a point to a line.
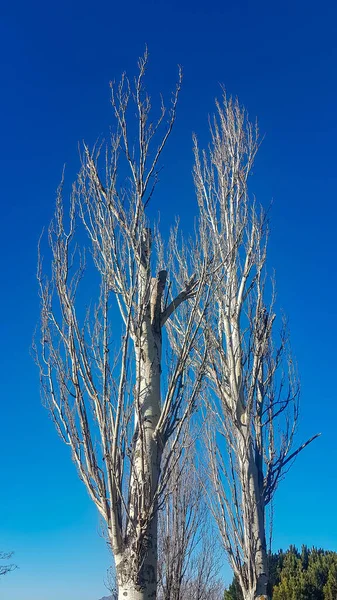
259	534
130	592
137	570
254	521
137	566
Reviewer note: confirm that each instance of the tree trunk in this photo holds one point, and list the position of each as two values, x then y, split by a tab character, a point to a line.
254	523
137	564
259	533
137	568
254	595
131	592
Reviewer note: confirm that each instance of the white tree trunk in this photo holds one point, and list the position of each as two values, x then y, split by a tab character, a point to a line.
137	564
129	592
137	575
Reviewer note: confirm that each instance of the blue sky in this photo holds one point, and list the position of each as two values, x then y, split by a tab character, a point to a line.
56	63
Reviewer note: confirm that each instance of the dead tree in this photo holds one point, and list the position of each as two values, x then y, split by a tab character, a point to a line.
113	401
253	390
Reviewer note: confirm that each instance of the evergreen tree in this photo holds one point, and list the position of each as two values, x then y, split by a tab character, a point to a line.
310	574
330	588
234	591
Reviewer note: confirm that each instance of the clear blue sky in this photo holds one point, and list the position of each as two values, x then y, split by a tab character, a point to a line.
56	61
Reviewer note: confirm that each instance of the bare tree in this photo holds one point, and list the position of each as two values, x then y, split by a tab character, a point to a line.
111	584
4	569
253	388
102	371
189	559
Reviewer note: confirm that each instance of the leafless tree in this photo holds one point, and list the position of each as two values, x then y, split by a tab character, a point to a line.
113	401
111	584
253	390
4	569
189	558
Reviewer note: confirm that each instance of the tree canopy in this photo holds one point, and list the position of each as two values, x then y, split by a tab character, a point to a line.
308	574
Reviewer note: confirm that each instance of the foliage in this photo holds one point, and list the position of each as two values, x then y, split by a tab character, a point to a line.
309	574
234	591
